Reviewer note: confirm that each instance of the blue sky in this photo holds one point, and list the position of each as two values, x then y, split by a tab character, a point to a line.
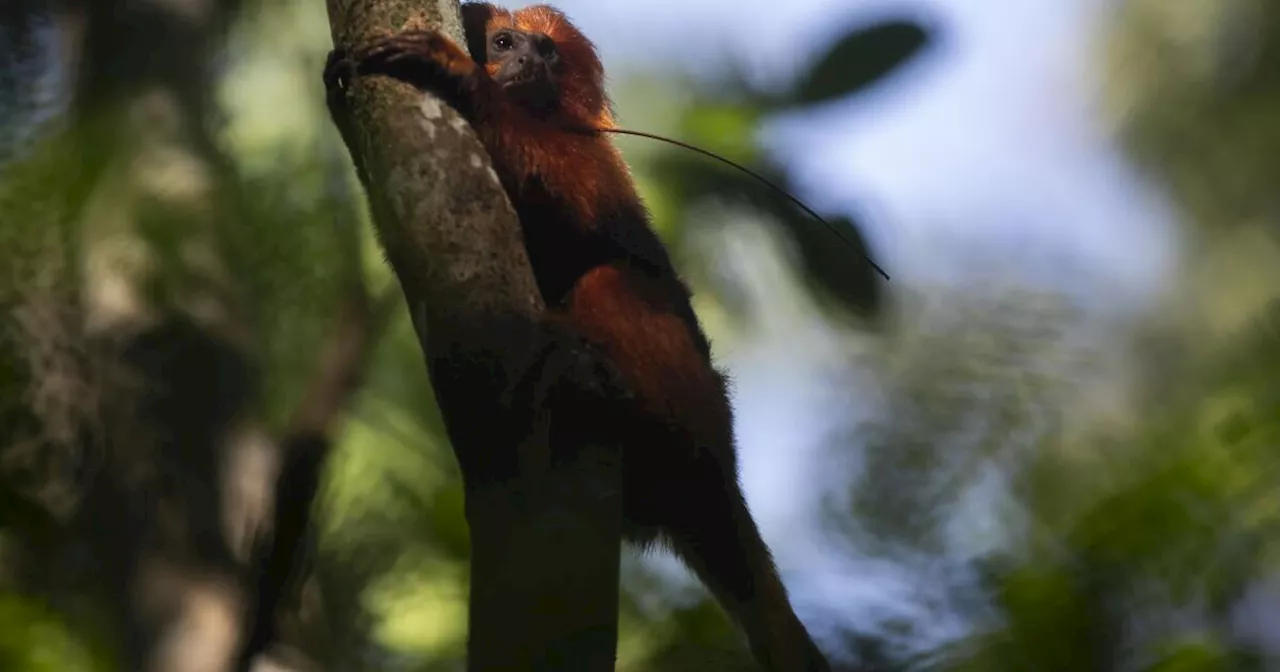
996	141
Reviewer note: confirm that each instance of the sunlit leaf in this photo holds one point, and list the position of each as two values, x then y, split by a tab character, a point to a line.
1198	656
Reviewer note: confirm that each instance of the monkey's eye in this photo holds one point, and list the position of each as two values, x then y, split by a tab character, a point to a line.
502	41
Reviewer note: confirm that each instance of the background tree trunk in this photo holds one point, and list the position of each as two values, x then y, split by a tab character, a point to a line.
139	426
186	467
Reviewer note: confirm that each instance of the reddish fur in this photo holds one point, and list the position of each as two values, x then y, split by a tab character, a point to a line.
652	346
586	170
601	267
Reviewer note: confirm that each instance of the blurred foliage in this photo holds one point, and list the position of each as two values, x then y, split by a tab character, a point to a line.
1195	88
35	639
1149	547
973	383
1141	551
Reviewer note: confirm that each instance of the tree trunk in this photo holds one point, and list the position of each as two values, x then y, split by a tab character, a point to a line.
545	533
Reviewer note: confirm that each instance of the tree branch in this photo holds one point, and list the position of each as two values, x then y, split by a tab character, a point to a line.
343	361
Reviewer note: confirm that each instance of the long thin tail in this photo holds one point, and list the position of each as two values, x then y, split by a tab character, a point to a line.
722	545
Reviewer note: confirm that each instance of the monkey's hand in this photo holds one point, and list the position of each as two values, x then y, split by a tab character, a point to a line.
423	58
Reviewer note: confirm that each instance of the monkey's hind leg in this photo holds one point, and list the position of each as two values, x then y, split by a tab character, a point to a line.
717	538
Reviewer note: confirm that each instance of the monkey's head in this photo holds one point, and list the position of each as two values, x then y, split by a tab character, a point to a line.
540	59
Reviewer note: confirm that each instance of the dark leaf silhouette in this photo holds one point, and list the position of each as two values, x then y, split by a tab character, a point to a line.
861	59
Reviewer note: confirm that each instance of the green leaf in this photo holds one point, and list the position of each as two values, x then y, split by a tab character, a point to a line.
861	59
1193	656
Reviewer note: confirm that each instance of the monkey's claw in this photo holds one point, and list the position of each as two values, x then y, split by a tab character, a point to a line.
375	56
339	70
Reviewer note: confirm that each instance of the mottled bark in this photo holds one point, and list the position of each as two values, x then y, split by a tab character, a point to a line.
545	533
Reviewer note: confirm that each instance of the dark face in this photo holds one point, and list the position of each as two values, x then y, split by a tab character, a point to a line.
525	65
